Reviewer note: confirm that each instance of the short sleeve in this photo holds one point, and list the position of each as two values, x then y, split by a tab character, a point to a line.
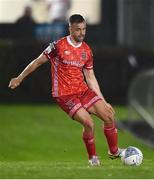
89	63
50	51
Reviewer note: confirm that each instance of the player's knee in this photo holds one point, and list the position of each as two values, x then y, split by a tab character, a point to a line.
109	117
88	124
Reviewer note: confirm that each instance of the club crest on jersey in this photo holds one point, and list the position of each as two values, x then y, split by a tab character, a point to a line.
66	52
84	55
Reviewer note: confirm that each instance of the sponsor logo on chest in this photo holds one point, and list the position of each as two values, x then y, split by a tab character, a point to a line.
73	63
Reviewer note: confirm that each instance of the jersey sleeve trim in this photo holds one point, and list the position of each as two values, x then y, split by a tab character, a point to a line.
51	49
89	68
47	56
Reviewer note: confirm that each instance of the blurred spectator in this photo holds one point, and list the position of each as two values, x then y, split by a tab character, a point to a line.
57	12
24	26
58	9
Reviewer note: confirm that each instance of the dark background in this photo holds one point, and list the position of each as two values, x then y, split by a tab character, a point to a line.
122	48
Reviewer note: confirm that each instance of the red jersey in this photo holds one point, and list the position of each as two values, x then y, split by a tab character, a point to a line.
67	63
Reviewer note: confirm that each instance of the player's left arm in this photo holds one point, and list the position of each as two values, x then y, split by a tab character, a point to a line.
93	84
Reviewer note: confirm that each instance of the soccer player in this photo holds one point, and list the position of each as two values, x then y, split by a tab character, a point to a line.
72	60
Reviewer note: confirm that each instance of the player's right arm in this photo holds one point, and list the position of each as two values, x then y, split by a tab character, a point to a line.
15	82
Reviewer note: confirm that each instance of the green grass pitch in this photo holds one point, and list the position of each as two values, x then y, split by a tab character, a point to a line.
41	141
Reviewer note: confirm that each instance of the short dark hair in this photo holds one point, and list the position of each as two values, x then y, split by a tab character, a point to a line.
76	18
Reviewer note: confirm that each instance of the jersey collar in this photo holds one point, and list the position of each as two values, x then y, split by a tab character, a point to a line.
70	42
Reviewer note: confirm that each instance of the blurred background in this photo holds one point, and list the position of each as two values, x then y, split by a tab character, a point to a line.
120	32
121	35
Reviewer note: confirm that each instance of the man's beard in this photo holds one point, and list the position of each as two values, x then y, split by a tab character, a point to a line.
80	39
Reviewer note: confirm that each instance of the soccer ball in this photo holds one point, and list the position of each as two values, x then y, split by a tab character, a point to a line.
132	156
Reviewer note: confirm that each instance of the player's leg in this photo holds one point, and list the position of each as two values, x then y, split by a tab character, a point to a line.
105	113
96	105
73	107
83	117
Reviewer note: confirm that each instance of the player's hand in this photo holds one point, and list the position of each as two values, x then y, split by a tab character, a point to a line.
15	82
